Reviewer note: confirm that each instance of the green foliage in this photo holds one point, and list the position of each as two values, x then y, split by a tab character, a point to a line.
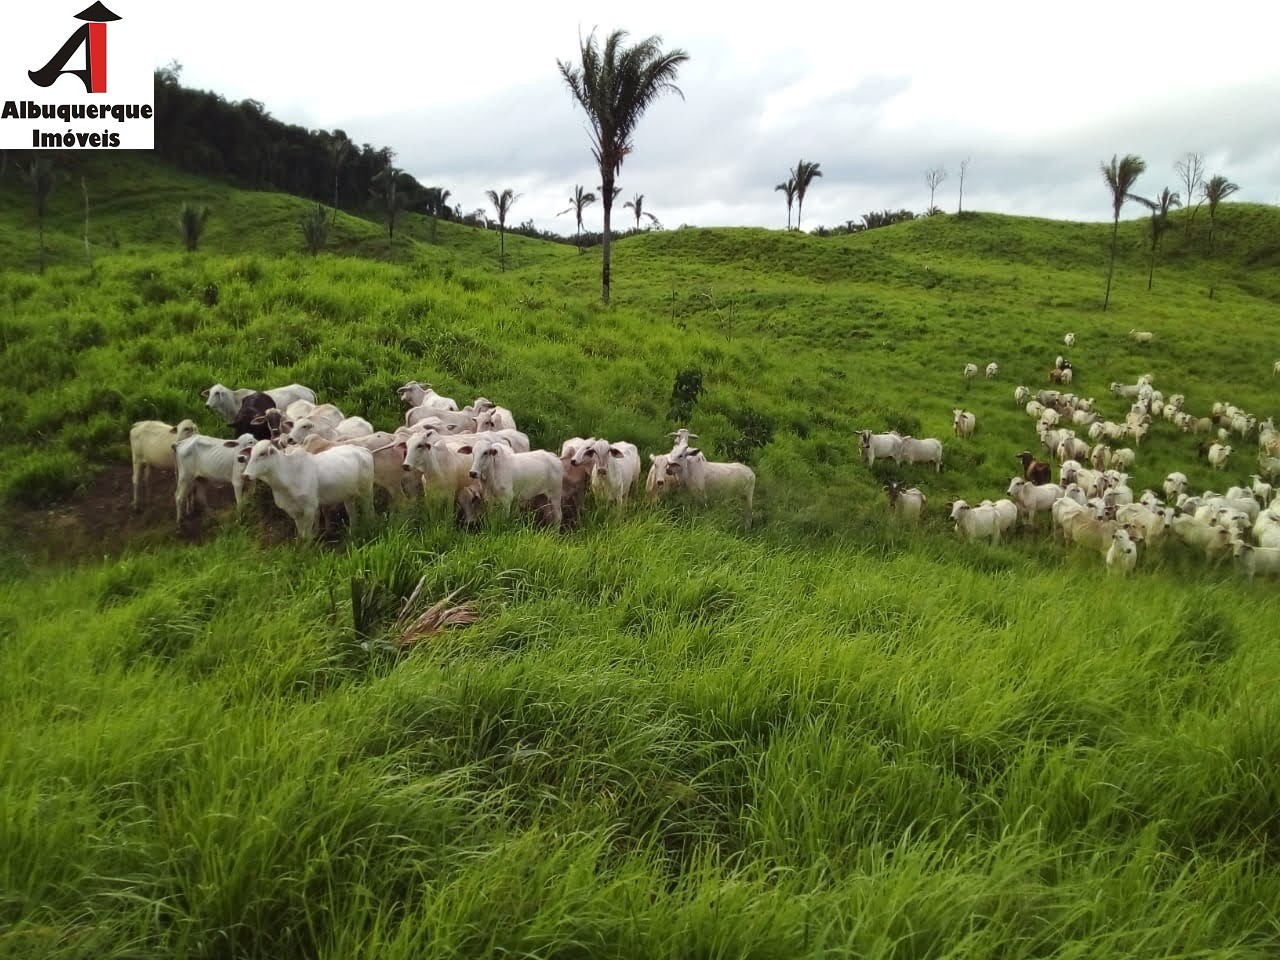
191	221
315	230
665	735
684	394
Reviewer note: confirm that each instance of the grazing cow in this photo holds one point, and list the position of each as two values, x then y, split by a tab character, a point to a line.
250	418
970	371
906	502
963	423
1035	470
1069	339
928	450
993	370
1141	336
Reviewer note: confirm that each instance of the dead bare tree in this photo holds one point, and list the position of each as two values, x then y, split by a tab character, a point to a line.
934	177
1190	170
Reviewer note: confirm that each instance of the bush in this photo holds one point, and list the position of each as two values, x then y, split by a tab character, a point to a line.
315	230
191	221
42	478
684	394
756	431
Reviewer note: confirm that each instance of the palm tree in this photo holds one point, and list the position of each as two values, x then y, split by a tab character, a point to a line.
636	205
788	189
502	204
1159	208
614	86
1217	189
435	202
339	149
1120	176
803	175
580	200
385	191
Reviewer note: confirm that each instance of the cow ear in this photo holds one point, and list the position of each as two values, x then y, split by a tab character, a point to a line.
230	443
615	452
258	420
694	451
465	451
173	429
653	458
286	424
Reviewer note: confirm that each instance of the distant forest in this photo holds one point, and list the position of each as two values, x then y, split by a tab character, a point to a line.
204	133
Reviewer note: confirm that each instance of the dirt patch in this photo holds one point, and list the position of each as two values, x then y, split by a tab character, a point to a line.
99	522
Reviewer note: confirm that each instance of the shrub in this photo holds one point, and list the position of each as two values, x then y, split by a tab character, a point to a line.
315	230
191	221
684	394
756	431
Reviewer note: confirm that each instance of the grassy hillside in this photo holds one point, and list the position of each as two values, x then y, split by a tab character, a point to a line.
665	735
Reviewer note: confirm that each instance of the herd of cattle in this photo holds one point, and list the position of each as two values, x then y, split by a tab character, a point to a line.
1092	504
315	459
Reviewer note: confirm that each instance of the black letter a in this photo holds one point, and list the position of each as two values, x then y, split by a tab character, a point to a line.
52	70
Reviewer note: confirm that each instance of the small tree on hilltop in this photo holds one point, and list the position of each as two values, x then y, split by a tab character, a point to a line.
788	188
315	230
636	206
615	86
581	199
1190	170
502	204
803	174
191	223
1216	189
1120	176
1159	208
964	169
933	178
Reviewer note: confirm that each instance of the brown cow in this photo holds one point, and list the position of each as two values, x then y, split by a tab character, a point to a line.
1035	470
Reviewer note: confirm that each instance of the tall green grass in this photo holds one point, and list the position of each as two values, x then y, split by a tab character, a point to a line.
666	735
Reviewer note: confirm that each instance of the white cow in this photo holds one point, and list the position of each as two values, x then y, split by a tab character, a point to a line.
227	401
884	445
928	450
151	445
993	370
615	467
1218	454
976	523
1069	339
1122	555
415	394
705	478
209	458
963	423
970	371
301	483
509	476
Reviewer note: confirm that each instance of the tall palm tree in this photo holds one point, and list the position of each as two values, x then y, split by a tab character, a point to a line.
788	189
502	204
614	85
803	175
581	199
386	193
1120	176
1217	189
636	206
1159	208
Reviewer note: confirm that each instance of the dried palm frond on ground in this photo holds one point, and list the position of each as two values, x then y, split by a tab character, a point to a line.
408	629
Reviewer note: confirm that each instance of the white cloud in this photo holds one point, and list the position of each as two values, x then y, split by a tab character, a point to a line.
470	97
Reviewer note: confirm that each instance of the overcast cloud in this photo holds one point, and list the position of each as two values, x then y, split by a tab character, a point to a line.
471	99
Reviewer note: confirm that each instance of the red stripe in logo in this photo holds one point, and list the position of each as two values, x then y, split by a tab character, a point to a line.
98	57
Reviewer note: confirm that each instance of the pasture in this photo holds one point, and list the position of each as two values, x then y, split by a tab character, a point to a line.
664	735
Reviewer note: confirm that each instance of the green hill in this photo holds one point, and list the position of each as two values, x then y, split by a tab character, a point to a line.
666	734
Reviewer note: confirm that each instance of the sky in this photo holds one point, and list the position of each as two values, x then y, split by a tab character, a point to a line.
1037	96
